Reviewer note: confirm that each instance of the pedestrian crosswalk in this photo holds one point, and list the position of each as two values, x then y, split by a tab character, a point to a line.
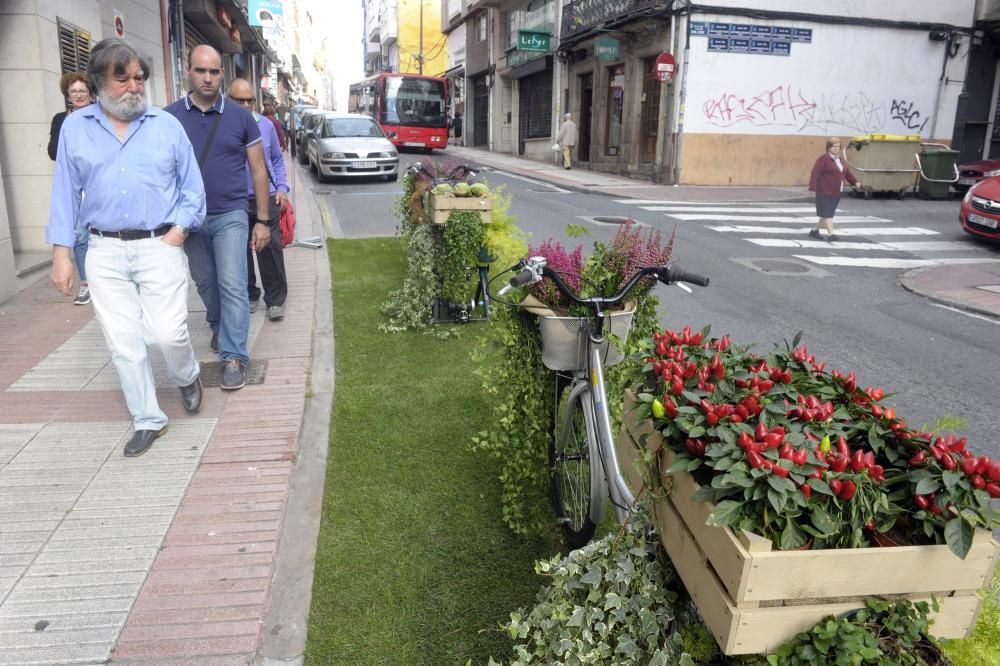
865	241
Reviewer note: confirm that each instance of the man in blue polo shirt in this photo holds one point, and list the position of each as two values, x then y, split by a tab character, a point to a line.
225	137
143	195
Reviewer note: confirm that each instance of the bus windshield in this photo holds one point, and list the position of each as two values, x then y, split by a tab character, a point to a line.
413	101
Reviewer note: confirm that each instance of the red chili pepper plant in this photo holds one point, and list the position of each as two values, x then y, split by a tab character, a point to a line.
803	456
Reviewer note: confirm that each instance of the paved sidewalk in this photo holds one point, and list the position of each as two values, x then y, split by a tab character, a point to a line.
201	550
973	287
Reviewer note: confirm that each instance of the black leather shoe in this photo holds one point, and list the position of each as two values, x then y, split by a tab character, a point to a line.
191	396
234	374
214	344
141	441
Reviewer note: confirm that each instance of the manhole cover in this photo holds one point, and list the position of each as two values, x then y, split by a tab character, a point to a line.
546	191
777	265
781	267
611	220
211	373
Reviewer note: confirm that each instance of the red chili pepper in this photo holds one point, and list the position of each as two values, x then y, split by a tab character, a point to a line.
773	440
982	464
993	489
669	406
921	501
767	464
760	432
878	472
786	451
696	447
712	418
847	490
755	459
993	472
978	482
948	462
744	441
676	385
918	459
842	447
839	464
876	411
858	460
780	471
806	490
736	418
969	466
800	457
836	485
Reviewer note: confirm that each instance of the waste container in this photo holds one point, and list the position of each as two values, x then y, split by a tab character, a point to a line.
938	170
884	162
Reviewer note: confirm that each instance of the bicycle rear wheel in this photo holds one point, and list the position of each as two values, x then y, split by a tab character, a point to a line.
575	482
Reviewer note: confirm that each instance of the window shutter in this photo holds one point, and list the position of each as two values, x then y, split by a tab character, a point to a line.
74	47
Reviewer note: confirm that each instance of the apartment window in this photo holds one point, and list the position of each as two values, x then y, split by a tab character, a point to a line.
616	103
74	47
481	27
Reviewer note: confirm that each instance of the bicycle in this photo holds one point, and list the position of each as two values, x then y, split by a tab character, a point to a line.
478	308
580	490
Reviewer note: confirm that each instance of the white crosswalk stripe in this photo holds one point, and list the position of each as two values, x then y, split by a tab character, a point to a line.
862	241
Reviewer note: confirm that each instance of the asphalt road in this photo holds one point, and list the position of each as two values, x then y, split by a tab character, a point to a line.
768	284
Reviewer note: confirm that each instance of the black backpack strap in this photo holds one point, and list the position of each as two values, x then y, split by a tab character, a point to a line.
208	141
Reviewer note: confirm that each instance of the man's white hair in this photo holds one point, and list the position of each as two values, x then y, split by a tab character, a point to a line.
567	116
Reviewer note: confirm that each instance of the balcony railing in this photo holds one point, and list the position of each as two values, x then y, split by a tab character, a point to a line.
581	15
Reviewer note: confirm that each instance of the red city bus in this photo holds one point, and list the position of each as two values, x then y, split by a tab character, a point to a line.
411	105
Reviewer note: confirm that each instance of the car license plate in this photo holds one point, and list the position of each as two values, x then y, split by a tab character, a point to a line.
966	181
413	144
987	222
363	165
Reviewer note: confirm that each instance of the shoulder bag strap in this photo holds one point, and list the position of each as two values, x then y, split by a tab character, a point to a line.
208	141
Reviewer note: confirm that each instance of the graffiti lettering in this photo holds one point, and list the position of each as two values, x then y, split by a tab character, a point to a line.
778	106
904	112
835	113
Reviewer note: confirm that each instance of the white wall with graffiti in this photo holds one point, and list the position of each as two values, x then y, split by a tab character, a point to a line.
951	12
826	80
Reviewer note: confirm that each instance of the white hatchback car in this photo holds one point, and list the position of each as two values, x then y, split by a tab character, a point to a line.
351	145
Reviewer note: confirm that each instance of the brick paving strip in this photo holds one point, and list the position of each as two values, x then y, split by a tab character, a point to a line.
167	558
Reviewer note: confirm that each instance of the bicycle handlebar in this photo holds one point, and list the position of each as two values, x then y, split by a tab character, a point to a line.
535	268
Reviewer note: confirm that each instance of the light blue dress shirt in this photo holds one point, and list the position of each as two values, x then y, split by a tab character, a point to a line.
148	179
274	160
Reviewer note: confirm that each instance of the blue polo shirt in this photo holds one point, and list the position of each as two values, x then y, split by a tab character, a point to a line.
224	170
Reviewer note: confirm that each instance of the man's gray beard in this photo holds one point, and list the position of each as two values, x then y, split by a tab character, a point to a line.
126	107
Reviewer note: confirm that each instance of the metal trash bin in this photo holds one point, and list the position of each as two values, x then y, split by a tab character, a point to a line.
884	162
938	170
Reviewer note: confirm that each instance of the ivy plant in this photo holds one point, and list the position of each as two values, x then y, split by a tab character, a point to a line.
410	305
462	237
609	602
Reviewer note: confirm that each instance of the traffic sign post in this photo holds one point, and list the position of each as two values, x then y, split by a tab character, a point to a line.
666	67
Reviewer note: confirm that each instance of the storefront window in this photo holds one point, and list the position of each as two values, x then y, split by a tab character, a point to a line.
616	103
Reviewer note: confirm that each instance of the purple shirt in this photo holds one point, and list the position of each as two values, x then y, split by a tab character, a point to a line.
224	168
277	178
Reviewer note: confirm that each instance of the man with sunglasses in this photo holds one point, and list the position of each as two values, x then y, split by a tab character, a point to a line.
270	259
226	138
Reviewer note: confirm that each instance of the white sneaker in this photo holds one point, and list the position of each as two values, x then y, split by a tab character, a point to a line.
83	297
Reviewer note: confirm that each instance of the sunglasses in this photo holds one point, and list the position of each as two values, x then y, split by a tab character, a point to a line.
243	100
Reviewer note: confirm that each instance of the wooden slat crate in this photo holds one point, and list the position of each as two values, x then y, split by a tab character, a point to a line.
440	208
754	598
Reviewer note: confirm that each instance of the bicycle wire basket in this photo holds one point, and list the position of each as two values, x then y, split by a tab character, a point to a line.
564	340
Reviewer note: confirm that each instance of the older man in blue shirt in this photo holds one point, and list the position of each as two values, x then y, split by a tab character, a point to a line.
127	173
270	259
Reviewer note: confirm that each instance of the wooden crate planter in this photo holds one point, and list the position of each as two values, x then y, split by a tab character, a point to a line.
754	598
439	208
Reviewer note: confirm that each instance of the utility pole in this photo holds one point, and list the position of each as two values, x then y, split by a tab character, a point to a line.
420	58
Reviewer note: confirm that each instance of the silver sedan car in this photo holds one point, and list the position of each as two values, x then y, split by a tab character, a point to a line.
350	145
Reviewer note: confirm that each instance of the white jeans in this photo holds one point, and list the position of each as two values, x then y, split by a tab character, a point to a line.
139	291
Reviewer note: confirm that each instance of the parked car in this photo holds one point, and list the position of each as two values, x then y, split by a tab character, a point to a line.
971	173
310	118
350	144
980	210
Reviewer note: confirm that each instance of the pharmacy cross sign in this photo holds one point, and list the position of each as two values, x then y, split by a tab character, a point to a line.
534	40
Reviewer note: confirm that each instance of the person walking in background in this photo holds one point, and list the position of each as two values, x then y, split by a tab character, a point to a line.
567	140
225	137
268	111
827	181
143	196
456	125
270	259
76	89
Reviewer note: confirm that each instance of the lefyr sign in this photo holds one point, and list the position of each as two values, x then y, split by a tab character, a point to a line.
534	40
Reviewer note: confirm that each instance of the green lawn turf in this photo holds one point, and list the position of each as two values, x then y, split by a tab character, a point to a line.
413	565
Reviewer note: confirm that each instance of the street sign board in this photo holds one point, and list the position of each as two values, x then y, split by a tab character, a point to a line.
534	40
607	48
666	67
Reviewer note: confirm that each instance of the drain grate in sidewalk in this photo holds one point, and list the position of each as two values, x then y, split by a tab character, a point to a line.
211	373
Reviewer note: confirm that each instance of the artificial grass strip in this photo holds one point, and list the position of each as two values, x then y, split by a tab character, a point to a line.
413	564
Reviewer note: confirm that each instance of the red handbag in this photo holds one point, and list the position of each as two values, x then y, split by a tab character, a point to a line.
287	224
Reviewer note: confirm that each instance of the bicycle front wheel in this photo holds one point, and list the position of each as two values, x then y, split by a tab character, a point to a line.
575	481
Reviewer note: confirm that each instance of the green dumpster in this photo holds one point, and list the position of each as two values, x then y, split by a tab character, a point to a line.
938	170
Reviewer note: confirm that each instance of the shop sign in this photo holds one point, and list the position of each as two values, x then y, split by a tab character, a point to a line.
607	48
534	40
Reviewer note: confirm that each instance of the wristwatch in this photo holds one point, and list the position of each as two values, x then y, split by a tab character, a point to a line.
266	222
184	230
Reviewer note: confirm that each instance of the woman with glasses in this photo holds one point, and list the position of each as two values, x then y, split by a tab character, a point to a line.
76	89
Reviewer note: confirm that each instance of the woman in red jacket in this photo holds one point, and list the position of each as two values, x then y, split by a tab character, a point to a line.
827	181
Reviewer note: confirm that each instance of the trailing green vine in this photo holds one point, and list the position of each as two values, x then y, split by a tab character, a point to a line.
462	238
410	305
